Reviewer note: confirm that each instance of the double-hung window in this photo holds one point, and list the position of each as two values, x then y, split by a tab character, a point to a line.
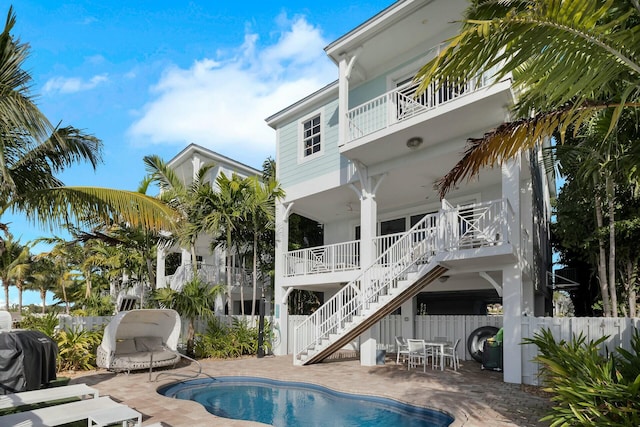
311	136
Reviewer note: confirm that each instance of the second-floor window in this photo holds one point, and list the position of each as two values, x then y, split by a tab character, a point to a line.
311	136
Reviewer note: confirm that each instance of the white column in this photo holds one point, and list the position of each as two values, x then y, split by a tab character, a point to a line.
512	308
161	255
368	225
343	100
512	281
280	314
408	313
186	256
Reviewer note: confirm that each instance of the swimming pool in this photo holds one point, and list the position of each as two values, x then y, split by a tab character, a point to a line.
295	404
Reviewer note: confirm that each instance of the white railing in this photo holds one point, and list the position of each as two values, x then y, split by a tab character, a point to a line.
323	259
478	225
416	246
401	104
212	274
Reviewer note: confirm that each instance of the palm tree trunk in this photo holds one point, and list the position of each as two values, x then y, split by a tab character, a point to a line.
229	264
602	267
64	296
630	271
19	286
241	275
43	296
254	273
612	246
5	285
152	274
87	281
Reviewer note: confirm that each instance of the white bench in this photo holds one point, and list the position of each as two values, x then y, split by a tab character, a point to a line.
46	395
63	414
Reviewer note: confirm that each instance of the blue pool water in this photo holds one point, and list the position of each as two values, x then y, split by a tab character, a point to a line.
293	404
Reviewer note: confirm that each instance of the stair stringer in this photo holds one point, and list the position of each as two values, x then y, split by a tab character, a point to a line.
363	325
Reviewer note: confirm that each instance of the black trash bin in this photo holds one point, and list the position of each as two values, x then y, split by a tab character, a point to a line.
492	355
27	361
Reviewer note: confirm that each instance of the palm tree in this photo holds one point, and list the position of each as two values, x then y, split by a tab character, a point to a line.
195	300
11	261
186	199
260	203
42	279
228	210
32	152
20	273
570	60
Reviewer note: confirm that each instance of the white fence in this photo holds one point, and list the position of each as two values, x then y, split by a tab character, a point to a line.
619	330
426	327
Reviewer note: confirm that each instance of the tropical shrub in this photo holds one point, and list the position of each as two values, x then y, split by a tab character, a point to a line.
77	349
589	388
196	299
46	324
221	341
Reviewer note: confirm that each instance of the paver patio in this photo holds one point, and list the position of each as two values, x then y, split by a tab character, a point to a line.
474	397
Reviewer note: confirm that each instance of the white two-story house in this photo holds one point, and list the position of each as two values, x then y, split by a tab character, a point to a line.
361	157
174	264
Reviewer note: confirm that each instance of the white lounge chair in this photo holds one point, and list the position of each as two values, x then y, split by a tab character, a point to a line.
451	353
401	349
69	413
46	395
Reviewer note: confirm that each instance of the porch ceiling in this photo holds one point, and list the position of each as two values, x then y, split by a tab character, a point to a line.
412	24
408	183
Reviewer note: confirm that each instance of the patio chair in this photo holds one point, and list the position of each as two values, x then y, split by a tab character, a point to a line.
417	354
451	353
401	349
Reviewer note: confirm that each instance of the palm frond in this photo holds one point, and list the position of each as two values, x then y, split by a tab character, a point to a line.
505	141
94	206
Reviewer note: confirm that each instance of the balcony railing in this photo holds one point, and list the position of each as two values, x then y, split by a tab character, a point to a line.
459	228
323	259
212	274
401	104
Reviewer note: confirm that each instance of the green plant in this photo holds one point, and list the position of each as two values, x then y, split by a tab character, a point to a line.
46	324
589	388
77	349
223	341
196	299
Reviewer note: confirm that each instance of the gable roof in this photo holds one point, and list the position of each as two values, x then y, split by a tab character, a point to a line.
192	149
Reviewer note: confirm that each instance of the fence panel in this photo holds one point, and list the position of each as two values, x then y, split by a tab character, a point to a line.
70	323
619	331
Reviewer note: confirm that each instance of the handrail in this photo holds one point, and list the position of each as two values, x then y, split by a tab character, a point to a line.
417	245
463	227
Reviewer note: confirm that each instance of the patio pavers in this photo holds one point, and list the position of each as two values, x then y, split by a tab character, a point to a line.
474	397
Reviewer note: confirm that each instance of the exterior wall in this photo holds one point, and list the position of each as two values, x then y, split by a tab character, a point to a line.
292	169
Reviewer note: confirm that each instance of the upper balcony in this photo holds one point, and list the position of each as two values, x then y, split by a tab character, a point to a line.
471	234
379	129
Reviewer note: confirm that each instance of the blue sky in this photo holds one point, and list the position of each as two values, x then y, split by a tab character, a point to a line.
150	77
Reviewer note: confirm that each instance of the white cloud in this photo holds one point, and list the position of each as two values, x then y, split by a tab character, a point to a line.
73	84
222	103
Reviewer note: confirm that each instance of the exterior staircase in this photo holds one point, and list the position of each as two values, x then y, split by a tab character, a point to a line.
397	275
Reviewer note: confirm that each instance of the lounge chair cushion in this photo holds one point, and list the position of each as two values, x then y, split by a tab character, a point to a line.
125	346
145	357
153	344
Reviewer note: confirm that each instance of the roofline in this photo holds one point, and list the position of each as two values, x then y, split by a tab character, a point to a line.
315	98
373	26
216	156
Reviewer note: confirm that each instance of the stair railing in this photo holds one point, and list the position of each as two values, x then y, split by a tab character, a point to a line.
416	246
